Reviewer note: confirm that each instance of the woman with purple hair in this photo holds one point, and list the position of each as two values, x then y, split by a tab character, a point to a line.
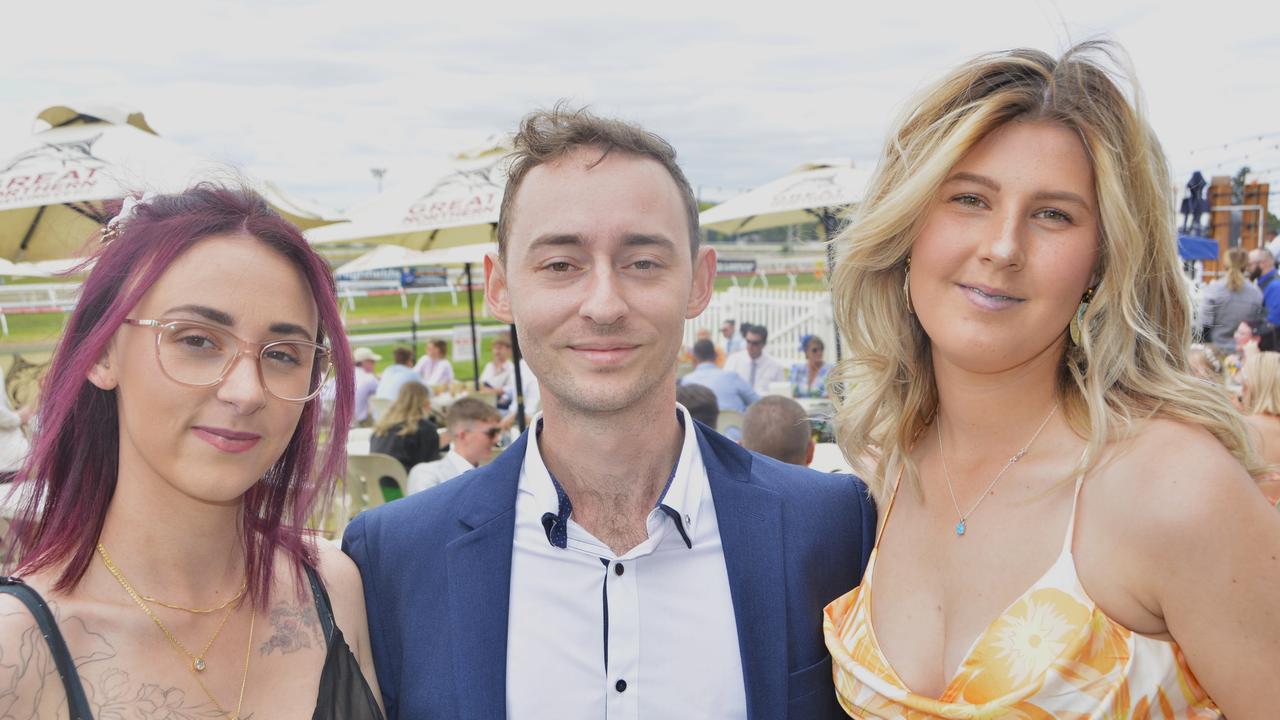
165	569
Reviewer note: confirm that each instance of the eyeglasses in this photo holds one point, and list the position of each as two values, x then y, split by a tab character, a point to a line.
200	355
493	432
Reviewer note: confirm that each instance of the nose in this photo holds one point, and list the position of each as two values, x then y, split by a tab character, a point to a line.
603	303
242	385
1003	247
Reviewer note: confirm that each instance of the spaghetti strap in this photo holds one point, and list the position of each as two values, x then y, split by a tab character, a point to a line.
1071	523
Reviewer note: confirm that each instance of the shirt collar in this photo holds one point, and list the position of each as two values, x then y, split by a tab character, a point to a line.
679	501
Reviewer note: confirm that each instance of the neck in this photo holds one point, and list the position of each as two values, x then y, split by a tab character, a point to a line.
172	546
987	417
613	466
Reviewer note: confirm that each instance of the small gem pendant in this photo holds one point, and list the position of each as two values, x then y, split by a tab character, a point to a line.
198	664
960	528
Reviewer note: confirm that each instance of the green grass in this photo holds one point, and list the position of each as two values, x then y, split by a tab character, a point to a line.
37	333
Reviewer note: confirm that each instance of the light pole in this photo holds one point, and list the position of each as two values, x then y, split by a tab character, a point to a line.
377	175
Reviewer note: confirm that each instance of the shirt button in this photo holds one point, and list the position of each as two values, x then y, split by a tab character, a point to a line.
620	686
617	569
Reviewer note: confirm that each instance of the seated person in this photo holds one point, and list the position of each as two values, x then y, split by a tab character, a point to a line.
474	429
778	427
809	378
732	392
397	374
497	372
405	431
700	402
435	368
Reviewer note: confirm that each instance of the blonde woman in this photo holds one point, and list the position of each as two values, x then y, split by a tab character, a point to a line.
1068	526
1261	400
1229	301
405	431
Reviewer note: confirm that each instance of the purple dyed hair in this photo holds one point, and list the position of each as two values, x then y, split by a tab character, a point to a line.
74	457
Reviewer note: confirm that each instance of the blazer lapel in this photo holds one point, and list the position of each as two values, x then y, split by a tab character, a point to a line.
750	519
479	571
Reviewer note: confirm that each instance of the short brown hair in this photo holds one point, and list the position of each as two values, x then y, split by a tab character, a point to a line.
500	340
469	410
440	345
548	135
778	427
402	355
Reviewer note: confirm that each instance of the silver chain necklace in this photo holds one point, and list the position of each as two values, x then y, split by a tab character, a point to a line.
946	474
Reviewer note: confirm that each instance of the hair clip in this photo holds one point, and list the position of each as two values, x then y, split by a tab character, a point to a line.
128	208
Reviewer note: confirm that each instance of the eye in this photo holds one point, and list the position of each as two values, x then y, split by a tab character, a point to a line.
969	200
1054	214
559	266
645	265
285	355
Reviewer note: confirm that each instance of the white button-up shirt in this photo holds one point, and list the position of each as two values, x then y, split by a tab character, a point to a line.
649	634
430	474
767	370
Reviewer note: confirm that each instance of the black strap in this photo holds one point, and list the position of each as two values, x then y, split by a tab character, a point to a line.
1264	282
77	704
323	607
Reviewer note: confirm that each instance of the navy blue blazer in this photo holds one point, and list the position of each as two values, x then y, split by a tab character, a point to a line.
437	582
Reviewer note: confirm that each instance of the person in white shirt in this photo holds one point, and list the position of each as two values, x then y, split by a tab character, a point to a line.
756	366
497	372
366	383
473	432
618	560
532	395
434	368
732	340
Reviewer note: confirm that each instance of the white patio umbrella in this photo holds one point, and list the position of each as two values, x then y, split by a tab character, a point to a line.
819	191
383	257
59	185
459	207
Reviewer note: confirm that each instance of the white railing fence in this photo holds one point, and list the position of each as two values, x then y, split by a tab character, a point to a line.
788	314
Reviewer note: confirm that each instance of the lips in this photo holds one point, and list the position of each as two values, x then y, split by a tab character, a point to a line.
227	440
990	298
603	353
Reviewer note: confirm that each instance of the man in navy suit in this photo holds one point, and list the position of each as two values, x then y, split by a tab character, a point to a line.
619	560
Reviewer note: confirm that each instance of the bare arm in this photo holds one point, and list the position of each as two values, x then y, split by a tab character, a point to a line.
342	579
1211	550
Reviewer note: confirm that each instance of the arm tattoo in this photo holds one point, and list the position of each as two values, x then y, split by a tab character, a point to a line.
293	628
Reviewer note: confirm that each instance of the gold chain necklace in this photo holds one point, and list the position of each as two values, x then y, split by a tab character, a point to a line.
239	594
946	474
197	666
197	661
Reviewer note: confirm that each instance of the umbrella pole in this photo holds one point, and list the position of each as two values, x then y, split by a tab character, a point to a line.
31	230
475	347
515	358
830	225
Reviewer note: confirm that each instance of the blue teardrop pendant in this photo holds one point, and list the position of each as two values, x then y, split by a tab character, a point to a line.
960	528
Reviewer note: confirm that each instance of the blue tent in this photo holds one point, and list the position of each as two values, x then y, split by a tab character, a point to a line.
1191	247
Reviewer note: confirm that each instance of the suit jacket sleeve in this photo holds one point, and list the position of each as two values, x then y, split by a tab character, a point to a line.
355	543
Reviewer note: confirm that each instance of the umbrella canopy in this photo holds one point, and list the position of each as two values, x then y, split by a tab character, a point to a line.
815	191
58	186
383	257
459	207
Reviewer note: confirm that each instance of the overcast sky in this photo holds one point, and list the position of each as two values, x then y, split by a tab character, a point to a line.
312	94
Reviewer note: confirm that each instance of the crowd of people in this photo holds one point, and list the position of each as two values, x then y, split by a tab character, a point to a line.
1054	510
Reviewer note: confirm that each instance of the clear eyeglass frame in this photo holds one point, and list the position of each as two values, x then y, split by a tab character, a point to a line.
323	357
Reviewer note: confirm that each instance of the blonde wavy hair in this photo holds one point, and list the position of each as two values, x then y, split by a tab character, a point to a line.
1132	359
1261	374
412	406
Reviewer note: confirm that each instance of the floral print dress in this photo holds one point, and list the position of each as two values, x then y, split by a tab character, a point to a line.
1052	654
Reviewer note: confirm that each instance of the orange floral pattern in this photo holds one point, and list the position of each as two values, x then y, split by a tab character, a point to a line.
1052	654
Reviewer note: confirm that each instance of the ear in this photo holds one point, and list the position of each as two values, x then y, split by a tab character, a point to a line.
101	374
704	281
496	295
808	455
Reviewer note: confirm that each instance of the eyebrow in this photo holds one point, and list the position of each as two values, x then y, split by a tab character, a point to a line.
1059	195
574	240
223	318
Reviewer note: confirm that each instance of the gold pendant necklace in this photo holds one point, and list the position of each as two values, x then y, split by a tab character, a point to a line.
197	665
197	661
963	526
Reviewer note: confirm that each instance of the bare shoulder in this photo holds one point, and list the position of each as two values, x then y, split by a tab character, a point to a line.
342	580
1169	476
